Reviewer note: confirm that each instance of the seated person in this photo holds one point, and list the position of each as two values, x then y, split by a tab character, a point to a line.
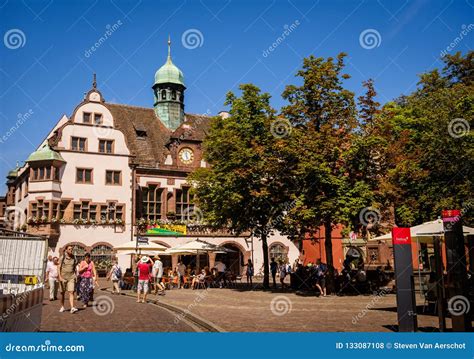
200	278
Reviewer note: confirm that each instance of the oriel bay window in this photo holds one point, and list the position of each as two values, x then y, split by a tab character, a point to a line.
184	206
40	209
44	173
152	202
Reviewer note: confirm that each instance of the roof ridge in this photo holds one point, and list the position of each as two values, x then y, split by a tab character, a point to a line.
198	114
132	106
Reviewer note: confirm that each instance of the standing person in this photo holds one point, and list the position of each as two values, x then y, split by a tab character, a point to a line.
249	272
220	267
181	270
282	274
52	278
88	276
321	270
48	264
144	271
67	277
158	275
116	275
273	269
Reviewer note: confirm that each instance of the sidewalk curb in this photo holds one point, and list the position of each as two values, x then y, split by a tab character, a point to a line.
202	323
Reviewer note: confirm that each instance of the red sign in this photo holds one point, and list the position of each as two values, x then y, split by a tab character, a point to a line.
401	235
451	215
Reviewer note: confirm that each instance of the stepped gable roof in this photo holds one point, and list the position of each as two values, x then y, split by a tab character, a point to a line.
146	136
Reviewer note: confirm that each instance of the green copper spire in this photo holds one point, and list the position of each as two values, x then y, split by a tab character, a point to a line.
169	73
169	93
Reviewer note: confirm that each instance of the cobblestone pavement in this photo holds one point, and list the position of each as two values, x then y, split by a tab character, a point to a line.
266	311
113	313
233	310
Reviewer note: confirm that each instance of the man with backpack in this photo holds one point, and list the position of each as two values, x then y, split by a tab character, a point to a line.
116	275
67	278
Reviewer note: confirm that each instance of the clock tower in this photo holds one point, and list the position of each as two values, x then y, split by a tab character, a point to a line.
168	92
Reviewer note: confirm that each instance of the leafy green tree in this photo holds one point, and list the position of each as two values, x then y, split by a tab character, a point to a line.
430	144
244	187
323	114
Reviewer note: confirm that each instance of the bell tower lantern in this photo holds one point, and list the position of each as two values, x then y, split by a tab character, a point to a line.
168	92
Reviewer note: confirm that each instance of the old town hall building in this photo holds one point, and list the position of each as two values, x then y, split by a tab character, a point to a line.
109	170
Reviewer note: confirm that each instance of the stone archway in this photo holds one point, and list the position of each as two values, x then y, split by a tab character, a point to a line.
278	251
234	260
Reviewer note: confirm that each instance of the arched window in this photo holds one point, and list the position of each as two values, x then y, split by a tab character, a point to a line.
163	94
278	252
173	95
102	256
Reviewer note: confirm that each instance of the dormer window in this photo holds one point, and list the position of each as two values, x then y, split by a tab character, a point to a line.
141	133
163	94
97	118
86	117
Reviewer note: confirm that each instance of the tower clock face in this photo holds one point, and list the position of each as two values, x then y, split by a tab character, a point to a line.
186	156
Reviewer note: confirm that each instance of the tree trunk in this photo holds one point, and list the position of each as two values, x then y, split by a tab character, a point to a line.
266	268
329	258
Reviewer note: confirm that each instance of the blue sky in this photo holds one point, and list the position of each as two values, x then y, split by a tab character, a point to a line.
47	72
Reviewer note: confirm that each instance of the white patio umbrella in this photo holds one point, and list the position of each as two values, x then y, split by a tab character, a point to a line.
198	247
142	247
425	232
171	251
